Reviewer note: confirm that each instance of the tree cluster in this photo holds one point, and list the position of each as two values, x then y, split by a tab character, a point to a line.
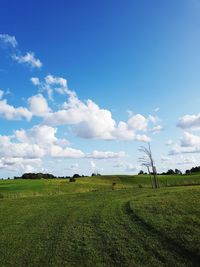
193	170
171	172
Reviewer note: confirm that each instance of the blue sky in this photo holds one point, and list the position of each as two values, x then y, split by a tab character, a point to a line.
137	62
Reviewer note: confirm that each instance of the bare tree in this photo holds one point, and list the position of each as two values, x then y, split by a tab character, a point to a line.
148	162
149	172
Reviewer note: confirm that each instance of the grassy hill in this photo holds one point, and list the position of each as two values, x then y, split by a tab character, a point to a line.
86	223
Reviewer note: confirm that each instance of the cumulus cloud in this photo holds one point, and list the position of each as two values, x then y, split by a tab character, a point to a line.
91	121
29	58
190	140
38	105
10	149
45	137
138	122
189	143
68	152
9	112
20	164
39	134
189	121
8	40
40	141
88	120
105	154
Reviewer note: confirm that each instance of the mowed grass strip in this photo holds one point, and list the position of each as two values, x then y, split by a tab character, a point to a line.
173	217
87	224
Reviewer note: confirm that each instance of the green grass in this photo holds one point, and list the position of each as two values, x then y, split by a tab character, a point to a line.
57	223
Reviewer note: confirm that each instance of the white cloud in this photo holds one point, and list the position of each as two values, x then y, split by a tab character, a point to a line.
20	164
68	152
190	140
53	80
138	122
41	141
8	40
8	148
1	94
92	164
90	121
42	135
30	59
35	81
189	121
26	148
154	119
189	143
52	84
11	113
177	149
38	105
156	129
105	154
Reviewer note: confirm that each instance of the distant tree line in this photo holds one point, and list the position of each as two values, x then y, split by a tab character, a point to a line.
176	171
172	172
45	176
169	172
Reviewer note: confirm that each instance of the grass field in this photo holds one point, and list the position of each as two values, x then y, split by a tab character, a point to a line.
86	223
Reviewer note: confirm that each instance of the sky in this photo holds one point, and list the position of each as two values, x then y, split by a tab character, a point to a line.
84	84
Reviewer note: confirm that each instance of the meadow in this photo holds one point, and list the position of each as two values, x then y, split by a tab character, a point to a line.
86	223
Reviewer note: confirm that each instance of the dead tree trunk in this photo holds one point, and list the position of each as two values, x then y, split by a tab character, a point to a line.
147	160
